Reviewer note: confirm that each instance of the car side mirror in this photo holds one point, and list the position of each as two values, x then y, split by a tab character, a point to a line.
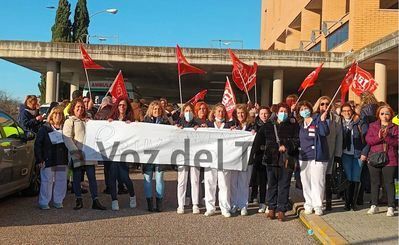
29	136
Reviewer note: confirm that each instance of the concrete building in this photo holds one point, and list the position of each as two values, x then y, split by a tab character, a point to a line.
347	26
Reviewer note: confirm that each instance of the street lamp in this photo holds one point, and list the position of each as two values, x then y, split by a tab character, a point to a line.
110	11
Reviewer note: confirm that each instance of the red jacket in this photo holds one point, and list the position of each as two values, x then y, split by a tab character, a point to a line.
376	143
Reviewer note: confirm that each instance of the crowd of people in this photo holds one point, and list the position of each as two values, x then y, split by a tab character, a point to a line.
313	143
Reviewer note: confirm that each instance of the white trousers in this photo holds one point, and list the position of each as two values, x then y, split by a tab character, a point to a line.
240	187
217	178
53	184
182	176
313	176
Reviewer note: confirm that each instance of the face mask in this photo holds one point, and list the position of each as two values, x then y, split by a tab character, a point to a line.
282	116
219	119
188	115
305	113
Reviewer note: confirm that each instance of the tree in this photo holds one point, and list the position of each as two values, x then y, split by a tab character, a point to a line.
42	88
61	30
9	104
81	22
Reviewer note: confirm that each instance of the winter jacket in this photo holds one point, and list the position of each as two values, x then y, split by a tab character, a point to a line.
47	152
28	121
181	122
358	136
265	149
376	143
103	113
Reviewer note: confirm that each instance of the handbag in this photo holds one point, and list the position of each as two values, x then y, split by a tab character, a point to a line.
379	159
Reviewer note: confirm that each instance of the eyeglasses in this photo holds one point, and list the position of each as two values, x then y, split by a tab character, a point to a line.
122	105
346	111
385	113
323	104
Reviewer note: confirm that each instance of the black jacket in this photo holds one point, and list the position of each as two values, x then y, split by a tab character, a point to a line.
28	121
265	147
228	124
51	154
185	124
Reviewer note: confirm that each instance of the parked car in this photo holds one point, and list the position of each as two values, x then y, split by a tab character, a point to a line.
17	163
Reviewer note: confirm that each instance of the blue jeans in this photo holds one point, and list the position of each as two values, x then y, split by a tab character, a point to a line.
77	178
120	171
352	167
148	170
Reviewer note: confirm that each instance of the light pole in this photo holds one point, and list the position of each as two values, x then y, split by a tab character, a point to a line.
110	11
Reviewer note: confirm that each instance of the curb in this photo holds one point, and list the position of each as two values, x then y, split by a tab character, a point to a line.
321	229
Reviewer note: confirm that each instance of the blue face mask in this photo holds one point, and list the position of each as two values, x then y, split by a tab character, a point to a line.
188	116
305	113
282	116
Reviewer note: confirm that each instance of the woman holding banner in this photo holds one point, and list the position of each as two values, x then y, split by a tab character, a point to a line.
155	114
240	179
313	156
122	111
186	120
334	141
201	111
218	177
74	134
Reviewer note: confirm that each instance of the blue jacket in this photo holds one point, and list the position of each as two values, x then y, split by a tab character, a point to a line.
51	154
28	121
320	140
358	138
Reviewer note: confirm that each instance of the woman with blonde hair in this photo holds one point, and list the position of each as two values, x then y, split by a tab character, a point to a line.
334	141
240	179
52	157
155	114
74	133
218	177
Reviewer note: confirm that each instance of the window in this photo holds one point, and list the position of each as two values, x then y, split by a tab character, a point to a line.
9	128
347	6
338	36
316	48
388	4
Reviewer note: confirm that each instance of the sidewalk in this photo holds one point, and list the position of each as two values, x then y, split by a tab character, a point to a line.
348	227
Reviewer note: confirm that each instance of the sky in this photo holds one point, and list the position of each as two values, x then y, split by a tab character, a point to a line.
189	23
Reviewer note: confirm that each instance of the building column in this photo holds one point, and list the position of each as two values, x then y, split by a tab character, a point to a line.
380	75
74	83
53	68
265	93
277	86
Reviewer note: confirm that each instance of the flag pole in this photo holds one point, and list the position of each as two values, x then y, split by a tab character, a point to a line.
88	83
303	91
245	85
256	95
181	97
335	95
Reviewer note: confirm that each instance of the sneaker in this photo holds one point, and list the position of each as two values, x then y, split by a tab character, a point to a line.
244	212
234	209
262	208
209	213
44	207
226	214
267	210
180	210
196	209
308	211
115	205
58	205
390	212
373	209
133	202
318	211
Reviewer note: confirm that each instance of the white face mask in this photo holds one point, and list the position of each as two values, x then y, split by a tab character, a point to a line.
219	119
188	116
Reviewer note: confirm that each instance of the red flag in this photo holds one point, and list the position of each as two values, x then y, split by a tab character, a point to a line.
88	63
347	81
118	88
199	96
310	80
229	100
183	67
363	81
243	73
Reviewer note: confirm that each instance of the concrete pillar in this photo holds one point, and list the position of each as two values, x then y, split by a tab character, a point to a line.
74	83
278	86
380	75
265	93
53	68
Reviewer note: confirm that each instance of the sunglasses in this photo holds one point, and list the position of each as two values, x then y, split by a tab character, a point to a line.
323	104
385	113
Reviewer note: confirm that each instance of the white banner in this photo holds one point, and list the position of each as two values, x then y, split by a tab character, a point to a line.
163	144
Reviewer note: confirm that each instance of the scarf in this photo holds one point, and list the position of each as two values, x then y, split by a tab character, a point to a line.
347	133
